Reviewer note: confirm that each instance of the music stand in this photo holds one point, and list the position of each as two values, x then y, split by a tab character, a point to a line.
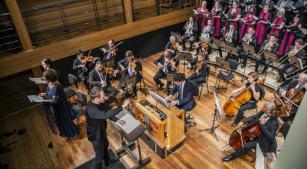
159	99
249	49
224	65
185	56
232	50
270	56
218	114
297	62
109	62
219	43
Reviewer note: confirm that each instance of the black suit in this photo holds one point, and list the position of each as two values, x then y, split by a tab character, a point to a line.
94	80
162	74
266	61
96	116
185	97
266	139
134	76
201	77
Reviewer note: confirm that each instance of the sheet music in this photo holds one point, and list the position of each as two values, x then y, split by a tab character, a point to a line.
37	99
159	98
195	12
220	114
37	80
130	123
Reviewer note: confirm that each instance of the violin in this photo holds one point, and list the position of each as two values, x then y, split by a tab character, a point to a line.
132	64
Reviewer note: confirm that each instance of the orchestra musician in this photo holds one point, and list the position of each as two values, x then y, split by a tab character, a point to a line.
201	17
190	33
132	73
182	97
249	39
289	36
172	45
166	65
97	111
257	94
80	66
278	23
100	77
207	32
109	51
48	64
270	45
216	19
204	49
286	67
231	39
201	71
262	25
268	124
247	21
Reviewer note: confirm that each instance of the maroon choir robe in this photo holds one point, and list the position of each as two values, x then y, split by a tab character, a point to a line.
261	28
287	40
201	18
232	15
277	22
249	18
216	22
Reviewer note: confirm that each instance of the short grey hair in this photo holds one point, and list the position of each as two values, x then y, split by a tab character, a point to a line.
270	106
172	39
304	76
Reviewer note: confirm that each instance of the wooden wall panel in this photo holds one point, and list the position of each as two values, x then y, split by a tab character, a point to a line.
26	60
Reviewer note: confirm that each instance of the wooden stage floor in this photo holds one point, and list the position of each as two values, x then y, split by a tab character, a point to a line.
200	149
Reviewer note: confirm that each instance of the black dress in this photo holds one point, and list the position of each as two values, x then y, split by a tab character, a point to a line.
62	111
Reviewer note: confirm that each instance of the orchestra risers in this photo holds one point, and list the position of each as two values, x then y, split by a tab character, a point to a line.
165	127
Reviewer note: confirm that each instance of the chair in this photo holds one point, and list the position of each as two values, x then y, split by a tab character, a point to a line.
227	75
69	92
206	82
72	80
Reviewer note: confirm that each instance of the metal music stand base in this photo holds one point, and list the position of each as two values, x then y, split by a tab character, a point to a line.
211	130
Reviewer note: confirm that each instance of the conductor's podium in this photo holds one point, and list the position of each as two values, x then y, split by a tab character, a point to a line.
164	126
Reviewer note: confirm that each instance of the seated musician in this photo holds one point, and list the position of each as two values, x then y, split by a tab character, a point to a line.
132	73
172	45
231	39
182	97
123	64
204	49
99	77
201	68
248	39
108	51
286	67
270	45
268	122
79	65
257	94
208	31
190	30
165	66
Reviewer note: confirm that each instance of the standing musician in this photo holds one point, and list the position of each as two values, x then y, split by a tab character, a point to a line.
216	19
202	16
99	77
287	67
268	122
97	112
207	32
80	66
278	23
109	51
230	38
190	33
201	71
262	25
248	39
233	16
290	35
132	73
183	94
270	46
247	21
257	94
166	65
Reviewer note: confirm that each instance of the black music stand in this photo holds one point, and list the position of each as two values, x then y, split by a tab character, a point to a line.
224	65
270	56
130	135
185	56
216	116
232	50
250	50
219	44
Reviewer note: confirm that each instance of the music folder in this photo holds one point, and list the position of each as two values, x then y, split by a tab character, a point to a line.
249	49
128	126
37	80
37	99
231	50
297	62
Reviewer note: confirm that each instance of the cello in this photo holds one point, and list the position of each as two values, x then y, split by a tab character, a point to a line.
232	105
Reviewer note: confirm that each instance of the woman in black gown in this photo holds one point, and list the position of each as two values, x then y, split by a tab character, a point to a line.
59	106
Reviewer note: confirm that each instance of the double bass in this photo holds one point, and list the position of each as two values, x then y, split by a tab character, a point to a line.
232	105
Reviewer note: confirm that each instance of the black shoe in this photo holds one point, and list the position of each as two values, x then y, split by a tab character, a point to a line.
234	124
228	158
